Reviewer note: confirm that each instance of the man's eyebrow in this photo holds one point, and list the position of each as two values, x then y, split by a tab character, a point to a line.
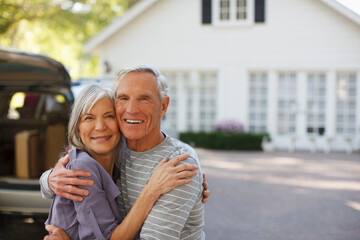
120	95
144	96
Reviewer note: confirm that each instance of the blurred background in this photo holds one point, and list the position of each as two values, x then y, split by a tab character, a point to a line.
286	69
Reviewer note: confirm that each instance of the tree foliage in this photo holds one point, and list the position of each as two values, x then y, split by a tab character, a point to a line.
58	28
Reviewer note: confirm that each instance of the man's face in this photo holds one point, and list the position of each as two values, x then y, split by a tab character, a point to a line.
139	110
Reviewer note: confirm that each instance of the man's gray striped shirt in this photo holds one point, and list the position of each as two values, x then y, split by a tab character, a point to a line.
178	214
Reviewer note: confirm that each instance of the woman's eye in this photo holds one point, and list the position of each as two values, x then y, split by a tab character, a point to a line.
110	116
88	118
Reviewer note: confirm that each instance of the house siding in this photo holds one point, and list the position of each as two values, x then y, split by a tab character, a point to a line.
300	36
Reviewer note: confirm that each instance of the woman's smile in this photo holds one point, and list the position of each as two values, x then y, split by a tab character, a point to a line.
98	129
101	139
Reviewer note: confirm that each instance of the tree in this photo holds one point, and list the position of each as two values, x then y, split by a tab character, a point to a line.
58	28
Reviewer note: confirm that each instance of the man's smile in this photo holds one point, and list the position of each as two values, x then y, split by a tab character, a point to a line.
133	121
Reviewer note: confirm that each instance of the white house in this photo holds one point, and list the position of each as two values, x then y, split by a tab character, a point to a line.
287	67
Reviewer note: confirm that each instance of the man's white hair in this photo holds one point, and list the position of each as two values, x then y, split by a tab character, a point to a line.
162	86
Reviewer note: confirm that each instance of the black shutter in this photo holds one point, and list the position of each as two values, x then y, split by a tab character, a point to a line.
259	10
206	11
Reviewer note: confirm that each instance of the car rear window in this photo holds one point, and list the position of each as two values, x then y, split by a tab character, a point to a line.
33	105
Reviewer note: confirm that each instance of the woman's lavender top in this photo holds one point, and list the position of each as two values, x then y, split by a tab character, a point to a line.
97	215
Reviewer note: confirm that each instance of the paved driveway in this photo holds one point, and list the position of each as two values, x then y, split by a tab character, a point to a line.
258	196
282	196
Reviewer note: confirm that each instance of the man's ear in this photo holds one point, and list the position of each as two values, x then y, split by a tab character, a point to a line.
164	106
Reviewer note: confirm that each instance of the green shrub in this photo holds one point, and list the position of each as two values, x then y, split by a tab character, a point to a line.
223	140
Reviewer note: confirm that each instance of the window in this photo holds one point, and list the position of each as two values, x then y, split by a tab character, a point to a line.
224	10
190	96
181	91
287	105
346	104
33	105
316	103
241	9
233	11
258	102
208	83
193	98
171	114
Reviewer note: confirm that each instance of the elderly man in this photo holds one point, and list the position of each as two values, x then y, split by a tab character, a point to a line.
141	102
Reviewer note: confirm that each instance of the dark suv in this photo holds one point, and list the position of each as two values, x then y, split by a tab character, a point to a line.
35	101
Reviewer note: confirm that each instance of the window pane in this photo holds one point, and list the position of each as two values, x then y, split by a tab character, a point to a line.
346	103
258	102
286	103
240	9
224	9
171	114
232	10
208	83
316	104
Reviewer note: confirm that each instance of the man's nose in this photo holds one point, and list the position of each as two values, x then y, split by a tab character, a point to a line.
132	107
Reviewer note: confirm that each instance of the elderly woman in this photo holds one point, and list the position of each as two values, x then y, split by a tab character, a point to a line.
94	134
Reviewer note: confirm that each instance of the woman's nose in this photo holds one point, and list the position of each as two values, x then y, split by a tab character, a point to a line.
100	124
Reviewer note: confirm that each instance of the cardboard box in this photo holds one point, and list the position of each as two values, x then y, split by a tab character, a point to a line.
28	161
54	144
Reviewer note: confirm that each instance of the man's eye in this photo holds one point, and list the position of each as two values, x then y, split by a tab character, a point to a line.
122	99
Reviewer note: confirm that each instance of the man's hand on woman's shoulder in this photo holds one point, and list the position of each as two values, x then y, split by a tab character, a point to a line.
62	181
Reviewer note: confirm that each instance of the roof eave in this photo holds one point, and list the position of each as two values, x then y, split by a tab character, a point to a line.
95	42
347	12
117	24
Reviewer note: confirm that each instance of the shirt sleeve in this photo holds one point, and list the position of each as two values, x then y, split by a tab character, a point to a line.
95	213
171	211
44	185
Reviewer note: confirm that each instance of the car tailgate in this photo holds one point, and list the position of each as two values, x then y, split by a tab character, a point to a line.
22	196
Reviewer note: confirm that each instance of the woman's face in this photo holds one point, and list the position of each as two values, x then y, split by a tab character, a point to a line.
99	130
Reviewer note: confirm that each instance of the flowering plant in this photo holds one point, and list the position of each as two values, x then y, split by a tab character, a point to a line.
229	126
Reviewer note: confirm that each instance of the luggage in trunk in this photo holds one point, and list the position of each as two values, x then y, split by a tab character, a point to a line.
28	162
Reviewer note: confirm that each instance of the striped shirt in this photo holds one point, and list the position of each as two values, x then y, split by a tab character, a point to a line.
178	214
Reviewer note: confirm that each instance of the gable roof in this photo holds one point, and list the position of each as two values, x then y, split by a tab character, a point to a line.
347	12
117	24
143	5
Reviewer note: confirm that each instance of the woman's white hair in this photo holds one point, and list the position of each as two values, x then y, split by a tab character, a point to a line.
84	102
162	86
